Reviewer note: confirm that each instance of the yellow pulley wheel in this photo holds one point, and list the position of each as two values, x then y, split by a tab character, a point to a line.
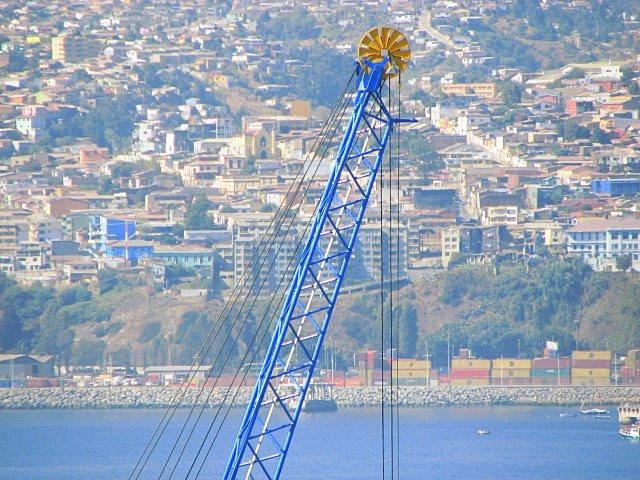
382	42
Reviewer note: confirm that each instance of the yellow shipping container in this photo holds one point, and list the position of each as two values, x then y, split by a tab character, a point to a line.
411	373
469	382
590	372
407	363
591	355
475	363
585	381
512	364
510	373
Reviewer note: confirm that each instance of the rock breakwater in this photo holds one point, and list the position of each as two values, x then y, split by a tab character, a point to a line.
162	397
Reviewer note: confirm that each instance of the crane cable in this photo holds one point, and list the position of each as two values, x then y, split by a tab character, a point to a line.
261	323
398	331
237	290
232	402
241	311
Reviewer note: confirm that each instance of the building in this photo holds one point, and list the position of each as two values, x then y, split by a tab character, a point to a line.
599	241
74	48
472	240
615	186
487	91
19	367
188	256
130	250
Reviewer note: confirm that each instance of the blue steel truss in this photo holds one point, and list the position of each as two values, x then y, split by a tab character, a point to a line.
263	441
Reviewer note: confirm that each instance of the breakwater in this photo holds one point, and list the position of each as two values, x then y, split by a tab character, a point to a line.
161	397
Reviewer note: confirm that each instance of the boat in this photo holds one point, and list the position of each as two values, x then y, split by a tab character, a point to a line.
602	416
594	411
568	414
630	431
483	431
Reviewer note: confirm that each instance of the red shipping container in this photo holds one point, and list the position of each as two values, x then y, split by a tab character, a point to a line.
469	373
590	363
352	382
550	363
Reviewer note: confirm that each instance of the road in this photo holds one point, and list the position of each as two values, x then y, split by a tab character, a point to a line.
424	22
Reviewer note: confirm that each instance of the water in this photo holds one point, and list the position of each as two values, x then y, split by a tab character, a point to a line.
439	443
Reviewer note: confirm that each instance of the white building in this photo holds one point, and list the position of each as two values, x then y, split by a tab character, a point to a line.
600	241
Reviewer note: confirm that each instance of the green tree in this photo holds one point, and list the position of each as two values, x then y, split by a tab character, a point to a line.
408	331
510	93
623	262
196	217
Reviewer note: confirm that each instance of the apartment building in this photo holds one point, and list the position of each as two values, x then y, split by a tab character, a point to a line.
74	48
599	241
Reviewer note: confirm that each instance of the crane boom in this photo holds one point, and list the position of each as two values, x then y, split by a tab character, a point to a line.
266	431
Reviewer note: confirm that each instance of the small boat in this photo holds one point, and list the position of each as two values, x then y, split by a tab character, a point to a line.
630	431
602	416
594	411
568	414
483	431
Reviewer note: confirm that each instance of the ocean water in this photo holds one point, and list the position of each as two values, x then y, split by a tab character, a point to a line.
436	443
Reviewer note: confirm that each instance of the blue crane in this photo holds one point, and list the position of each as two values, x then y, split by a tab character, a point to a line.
267	429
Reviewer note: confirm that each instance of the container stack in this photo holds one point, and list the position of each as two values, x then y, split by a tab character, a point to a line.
411	372
368	364
511	371
630	372
466	370
551	371
590	367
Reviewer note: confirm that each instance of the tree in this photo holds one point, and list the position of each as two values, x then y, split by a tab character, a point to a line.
599	136
196	217
623	262
572	130
408	331
107	280
510	93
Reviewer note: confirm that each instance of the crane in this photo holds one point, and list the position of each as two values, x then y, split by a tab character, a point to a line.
267	428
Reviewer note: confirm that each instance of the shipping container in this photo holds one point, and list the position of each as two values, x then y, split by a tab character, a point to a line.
511	364
591	355
590	372
471	363
410	373
545	363
510	373
585	381
469	382
629	381
5	383
510	381
469	373
590	364
411	363
415	381
353	382
550	381
550	372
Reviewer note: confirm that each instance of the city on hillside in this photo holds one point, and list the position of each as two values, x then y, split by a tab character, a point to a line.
147	147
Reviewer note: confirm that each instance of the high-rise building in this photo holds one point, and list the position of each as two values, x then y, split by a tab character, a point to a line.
74	48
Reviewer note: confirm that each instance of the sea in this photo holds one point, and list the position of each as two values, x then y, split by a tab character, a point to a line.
435	443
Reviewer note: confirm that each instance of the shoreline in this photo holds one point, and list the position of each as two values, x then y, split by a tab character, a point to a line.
162	397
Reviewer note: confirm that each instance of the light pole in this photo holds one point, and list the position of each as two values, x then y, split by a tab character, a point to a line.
448	351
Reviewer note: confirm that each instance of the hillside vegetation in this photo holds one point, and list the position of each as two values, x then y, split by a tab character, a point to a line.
505	310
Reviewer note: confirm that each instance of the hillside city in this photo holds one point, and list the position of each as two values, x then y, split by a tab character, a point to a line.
146	145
